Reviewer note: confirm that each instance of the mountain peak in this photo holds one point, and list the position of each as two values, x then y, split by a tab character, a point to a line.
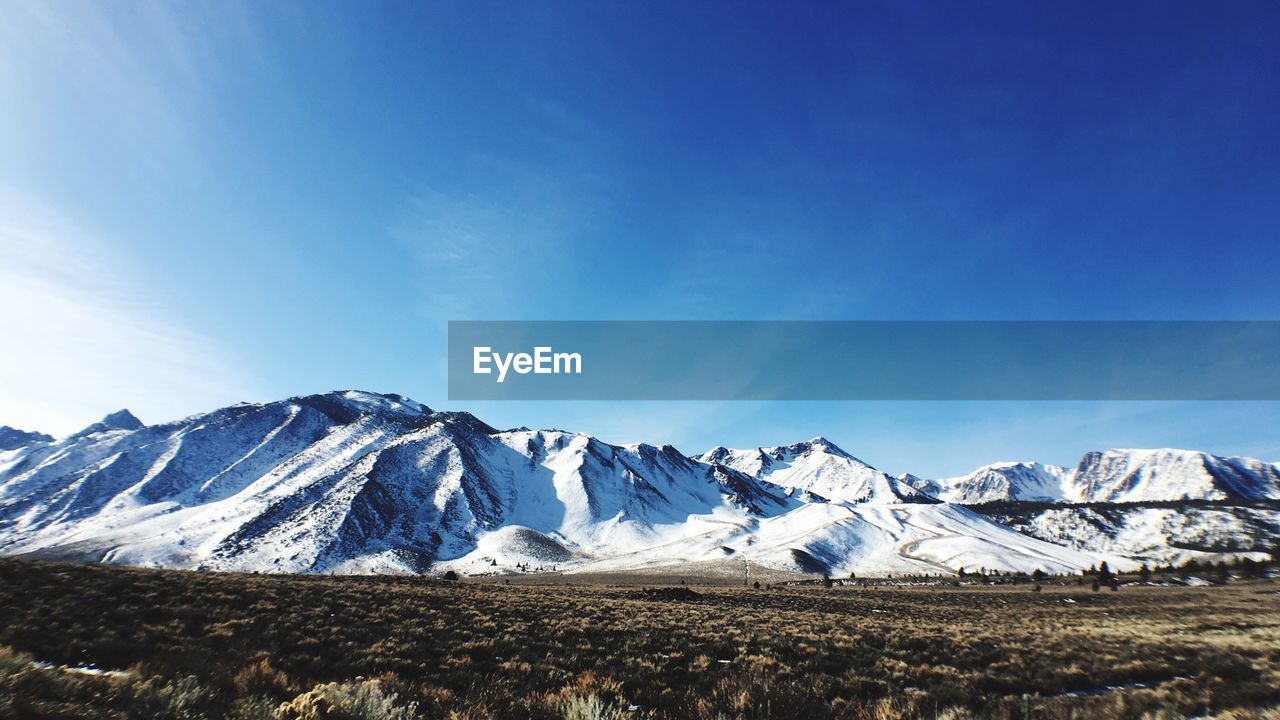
825	444
121	419
379	402
461	418
12	438
819	443
350	405
1003	481
882	489
1162	474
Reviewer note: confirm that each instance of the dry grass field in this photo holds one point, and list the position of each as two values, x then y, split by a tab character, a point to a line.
205	645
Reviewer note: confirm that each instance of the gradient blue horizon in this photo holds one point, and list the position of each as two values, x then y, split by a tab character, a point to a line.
315	189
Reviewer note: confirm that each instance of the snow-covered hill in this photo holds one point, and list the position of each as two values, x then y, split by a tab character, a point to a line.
818	467
362	482
1163	475
1114	476
354	481
999	482
13	438
840	538
1156	506
1160	533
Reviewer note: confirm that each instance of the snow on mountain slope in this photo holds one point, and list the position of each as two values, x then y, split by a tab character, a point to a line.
600	499
14	439
1026	481
249	486
819	467
1121	476
362	482
1113	476
838	538
1154	534
1156	506
118	420
354	481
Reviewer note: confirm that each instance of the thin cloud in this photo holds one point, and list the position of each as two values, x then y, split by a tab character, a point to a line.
483	253
82	338
148	74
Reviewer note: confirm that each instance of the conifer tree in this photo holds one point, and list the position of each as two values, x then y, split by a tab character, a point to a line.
1104	574
1223	573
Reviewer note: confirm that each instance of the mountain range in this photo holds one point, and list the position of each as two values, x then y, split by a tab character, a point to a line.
355	482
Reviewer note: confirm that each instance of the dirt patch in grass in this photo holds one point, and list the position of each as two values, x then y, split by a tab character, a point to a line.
674	594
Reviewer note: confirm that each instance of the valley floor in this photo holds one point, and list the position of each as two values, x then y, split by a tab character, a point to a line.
109	642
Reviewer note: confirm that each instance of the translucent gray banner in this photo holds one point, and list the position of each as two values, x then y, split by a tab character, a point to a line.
863	360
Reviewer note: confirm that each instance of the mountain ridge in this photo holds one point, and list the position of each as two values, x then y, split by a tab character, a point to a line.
351	481
12	438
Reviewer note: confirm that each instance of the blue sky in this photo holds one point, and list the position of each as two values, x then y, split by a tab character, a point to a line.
202	203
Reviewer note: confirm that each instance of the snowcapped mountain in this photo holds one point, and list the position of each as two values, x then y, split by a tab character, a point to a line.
839	538
362	482
1154	533
870	522
1160	506
13	438
999	482
118	420
818	467
1113	476
355	481
1121	476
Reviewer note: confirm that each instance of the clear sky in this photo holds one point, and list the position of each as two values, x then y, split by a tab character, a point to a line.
202	203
